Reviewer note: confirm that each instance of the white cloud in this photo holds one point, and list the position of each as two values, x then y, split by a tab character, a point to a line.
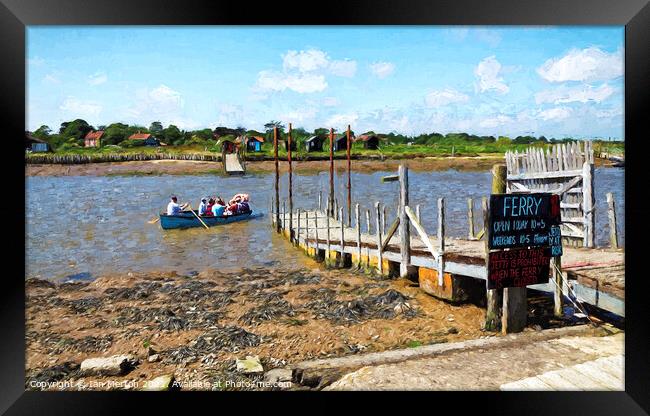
555	114
80	108
304	61
445	97
51	79
161	103
299	116
487	72
609	113
342	119
346	68
382	69
581	94
590	64
301	83
496	121
489	36
97	79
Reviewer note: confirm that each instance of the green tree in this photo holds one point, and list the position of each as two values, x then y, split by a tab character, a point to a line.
156	129
76	129
172	135
115	134
43	132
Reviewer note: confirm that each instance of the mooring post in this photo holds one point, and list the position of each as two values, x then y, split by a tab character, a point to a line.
494	296
277	179
349	180
290	185
383	220
306	230
298	227
611	214
328	231
514	299
404	231
368	232
358	224
342	258
380	254
470	218
331	196
316	234
441	239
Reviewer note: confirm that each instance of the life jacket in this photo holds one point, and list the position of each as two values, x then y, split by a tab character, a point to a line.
208	211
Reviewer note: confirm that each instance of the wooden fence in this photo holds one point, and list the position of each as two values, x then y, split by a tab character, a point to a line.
563	169
116	157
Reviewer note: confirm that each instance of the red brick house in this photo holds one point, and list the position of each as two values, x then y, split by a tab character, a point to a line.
93	138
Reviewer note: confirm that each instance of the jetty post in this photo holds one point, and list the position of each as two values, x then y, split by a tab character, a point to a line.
349	179
404	224
611	214
330	207
290	185
494	296
277	179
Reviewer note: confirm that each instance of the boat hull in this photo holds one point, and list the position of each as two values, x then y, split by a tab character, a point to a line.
188	220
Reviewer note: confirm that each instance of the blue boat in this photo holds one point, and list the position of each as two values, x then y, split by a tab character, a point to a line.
188	220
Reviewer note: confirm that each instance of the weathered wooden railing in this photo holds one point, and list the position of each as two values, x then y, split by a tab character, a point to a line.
116	157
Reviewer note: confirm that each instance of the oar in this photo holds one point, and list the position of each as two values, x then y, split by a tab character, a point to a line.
153	221
199	218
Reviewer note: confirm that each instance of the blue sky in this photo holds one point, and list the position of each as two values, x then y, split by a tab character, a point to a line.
553	81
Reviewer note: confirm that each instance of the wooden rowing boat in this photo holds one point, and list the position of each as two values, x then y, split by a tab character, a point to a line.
188	220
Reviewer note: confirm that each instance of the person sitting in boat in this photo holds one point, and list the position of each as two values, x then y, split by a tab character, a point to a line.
219	208
203	206
238	198
173	208
208	208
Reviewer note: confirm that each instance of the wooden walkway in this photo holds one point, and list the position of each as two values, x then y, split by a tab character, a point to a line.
232	164
595	276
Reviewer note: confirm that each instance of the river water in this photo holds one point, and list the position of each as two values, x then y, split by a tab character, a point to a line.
84	226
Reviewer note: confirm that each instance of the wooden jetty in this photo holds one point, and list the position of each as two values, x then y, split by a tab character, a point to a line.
451	268
233	162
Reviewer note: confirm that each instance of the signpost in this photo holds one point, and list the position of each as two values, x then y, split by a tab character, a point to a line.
524	234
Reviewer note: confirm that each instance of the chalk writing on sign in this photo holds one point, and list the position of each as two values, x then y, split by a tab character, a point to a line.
525	220
519	267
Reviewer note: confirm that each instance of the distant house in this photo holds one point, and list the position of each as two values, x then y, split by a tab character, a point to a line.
146	139
93	138
341	143
314	144
254	143
370	141
229	146
35	145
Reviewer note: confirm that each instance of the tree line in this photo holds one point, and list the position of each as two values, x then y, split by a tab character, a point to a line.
71	135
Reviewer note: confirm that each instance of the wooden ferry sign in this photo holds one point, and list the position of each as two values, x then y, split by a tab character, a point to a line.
525	220
524	233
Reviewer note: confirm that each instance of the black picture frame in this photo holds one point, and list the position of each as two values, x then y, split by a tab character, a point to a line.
15	15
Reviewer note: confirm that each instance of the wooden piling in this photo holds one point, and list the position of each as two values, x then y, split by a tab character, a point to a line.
290	185
284	214
470	218
320	196
307	230
342	258
331	196
494	296
404	229
558	292
358	224
441	239
316	233
380	256
611	214
349	180
383	220
368	232
297	237
327	217
277	179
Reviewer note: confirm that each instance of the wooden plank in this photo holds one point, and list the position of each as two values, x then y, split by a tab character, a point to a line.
441	238
545	175
565	187
420	229
588	203
358	224
470	217
591	370
390	178
390	233
611	215
307	231
342	239
380	257
404	229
